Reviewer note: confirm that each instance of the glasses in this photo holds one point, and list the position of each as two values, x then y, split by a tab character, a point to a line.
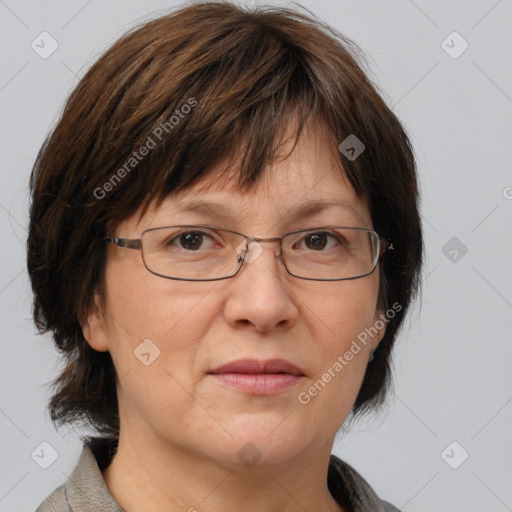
210	253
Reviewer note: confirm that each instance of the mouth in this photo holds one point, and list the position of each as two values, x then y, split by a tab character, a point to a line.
256	377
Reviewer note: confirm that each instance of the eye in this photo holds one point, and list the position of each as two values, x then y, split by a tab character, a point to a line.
192	241
318	240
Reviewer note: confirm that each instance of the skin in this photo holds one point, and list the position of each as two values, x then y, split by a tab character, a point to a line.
180	428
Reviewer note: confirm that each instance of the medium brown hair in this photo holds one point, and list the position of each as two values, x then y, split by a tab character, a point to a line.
248	72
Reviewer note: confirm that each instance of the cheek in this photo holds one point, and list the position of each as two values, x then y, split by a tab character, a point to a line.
154	325
143	306
339	311
156	337
337	318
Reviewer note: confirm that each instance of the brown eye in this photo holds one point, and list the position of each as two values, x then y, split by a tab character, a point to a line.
319	241
191	240
316	241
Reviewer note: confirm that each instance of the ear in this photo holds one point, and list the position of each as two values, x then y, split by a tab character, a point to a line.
380	322
94	328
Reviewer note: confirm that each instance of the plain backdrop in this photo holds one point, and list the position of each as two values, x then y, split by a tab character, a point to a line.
444	441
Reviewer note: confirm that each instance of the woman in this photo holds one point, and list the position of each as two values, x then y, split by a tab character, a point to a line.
224	241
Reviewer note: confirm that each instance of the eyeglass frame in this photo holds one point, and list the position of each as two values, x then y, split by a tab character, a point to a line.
137	244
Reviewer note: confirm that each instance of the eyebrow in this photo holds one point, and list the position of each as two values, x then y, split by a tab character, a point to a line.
297	212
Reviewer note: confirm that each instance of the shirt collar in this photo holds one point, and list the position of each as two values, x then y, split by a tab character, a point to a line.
86	490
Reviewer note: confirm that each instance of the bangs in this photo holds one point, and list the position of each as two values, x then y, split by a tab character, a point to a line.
228	93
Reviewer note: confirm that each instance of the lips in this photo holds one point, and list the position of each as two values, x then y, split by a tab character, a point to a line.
256	367
254	377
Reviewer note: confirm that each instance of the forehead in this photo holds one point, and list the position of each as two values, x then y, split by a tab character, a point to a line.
302	181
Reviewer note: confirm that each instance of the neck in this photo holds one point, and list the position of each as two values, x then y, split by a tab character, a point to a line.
154	476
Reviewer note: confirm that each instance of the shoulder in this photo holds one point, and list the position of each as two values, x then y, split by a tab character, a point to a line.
55	502
350	489
388	507
84	491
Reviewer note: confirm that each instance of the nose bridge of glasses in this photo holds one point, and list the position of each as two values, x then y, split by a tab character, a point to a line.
257	247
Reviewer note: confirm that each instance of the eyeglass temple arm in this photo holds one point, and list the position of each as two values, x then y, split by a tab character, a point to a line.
128	243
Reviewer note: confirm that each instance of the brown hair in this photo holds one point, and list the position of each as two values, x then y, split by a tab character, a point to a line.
244	74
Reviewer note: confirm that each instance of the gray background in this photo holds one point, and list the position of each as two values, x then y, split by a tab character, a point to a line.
453	358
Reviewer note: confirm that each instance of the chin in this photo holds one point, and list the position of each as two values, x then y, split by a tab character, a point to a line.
262	440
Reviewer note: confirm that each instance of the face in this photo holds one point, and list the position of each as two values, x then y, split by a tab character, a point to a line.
165	389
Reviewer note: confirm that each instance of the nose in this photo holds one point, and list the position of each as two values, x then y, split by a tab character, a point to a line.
260	295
